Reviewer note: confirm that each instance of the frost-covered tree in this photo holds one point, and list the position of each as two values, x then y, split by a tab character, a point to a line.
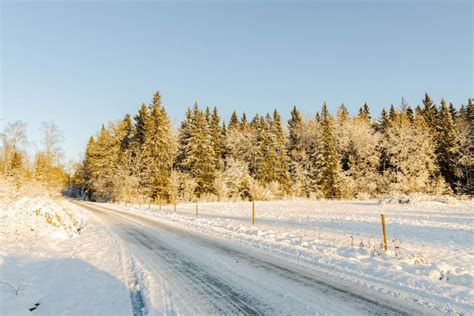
411	156
360	149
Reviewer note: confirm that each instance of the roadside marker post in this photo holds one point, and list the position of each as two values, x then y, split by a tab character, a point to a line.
197	214
384	231
253	213
174	205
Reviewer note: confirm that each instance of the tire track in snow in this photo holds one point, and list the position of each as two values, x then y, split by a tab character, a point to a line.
225	293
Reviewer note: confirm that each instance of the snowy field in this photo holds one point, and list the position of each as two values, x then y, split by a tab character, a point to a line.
430	241
58	258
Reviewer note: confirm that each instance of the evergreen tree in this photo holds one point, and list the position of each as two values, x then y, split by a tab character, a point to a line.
234	121
452	110
447	147
364	112
343	113
183	139
384	121
392	114
282	176
200	156
139	126
430	112
266	155
158	150
244	124
330	181
297	153
217	139
410	115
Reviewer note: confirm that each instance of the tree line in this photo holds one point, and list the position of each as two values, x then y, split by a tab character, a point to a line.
143	158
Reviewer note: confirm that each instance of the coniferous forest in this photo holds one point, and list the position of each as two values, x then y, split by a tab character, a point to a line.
330	155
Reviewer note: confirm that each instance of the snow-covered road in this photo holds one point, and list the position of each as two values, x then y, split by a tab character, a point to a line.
198	274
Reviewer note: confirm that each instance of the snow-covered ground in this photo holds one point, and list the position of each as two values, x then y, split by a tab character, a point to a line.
430	241
56	259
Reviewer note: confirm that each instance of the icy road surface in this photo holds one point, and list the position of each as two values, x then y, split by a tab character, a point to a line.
203	275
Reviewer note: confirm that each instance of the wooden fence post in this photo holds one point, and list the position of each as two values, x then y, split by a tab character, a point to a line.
197	211
253	213
384	231
174	205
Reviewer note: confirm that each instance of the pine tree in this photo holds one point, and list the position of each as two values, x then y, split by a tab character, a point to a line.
244	124
447	147
234	121
200	156
364	112
158	150
217	139
87	173
410	115
452	110
282	174
392	114
384	121
343	114
266	155
183	138
330	181
430	112
297	153
139	126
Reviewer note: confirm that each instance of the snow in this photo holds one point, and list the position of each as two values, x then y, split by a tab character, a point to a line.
430	241
56	259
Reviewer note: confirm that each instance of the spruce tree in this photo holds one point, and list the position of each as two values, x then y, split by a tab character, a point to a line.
392	114
200	157
139	126
430	112
364	112
282	176
183	139
217	139
244	124
330	181
266	155
343	114
234	121
447	147
384	121
158	150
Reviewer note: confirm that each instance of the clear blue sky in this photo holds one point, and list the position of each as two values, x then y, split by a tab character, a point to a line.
83	64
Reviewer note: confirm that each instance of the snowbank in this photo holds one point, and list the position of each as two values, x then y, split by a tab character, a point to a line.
56	259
